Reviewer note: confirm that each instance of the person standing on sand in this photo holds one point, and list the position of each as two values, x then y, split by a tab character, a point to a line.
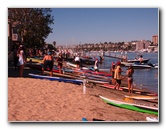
112	70
96	65
48	61
60	63
21	61
129	74
117	76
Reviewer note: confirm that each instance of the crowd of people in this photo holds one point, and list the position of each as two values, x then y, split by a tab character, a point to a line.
48	62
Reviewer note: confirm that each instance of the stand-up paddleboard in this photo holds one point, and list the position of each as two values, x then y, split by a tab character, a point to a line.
151	119
56	78
99	73
139	91
110	86
130	106
141	97
62	75
96	81
71	64
95	78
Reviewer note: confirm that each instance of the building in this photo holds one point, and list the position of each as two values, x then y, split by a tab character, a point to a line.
155	39
13	37
142	45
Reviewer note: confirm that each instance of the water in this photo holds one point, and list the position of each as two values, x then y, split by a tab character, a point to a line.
143	78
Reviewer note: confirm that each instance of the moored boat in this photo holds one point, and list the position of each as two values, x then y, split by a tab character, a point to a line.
138	61
137	65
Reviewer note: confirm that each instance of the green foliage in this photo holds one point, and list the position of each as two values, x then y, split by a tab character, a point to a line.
34	24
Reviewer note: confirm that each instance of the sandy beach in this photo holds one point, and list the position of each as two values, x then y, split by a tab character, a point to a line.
31	100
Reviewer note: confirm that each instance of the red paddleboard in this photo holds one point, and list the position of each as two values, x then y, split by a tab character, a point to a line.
110	86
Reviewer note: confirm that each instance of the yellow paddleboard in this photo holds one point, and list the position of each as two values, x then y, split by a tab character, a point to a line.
141	97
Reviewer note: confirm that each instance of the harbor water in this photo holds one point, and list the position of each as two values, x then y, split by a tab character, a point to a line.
147	79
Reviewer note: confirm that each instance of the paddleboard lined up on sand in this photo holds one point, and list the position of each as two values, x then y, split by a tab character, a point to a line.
141	97
110	86
131	106
56	78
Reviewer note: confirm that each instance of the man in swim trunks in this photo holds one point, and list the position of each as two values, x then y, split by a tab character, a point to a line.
48	61
117	76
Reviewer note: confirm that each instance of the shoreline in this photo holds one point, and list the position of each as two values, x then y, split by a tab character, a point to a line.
35	100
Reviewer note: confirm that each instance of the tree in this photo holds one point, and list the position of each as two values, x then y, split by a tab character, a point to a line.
34	24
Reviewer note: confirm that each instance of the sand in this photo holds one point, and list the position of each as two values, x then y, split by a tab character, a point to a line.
31	100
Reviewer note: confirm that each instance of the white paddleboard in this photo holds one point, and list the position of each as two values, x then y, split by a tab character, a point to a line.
151	119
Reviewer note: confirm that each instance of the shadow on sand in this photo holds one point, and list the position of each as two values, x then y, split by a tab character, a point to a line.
12	72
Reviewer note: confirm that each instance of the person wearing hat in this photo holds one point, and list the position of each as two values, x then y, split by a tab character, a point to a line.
96	65
130	72
117	76
48	61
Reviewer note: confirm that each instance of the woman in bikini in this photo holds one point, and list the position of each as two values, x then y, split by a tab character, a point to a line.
130	73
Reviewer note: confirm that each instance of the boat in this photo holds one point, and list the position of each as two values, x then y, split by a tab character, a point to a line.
141	66
131	106
56	78
88	70
87	61
137	65
138	61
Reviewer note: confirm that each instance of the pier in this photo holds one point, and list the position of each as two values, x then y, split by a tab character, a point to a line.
117	56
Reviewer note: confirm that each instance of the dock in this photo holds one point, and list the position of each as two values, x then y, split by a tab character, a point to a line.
117	56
